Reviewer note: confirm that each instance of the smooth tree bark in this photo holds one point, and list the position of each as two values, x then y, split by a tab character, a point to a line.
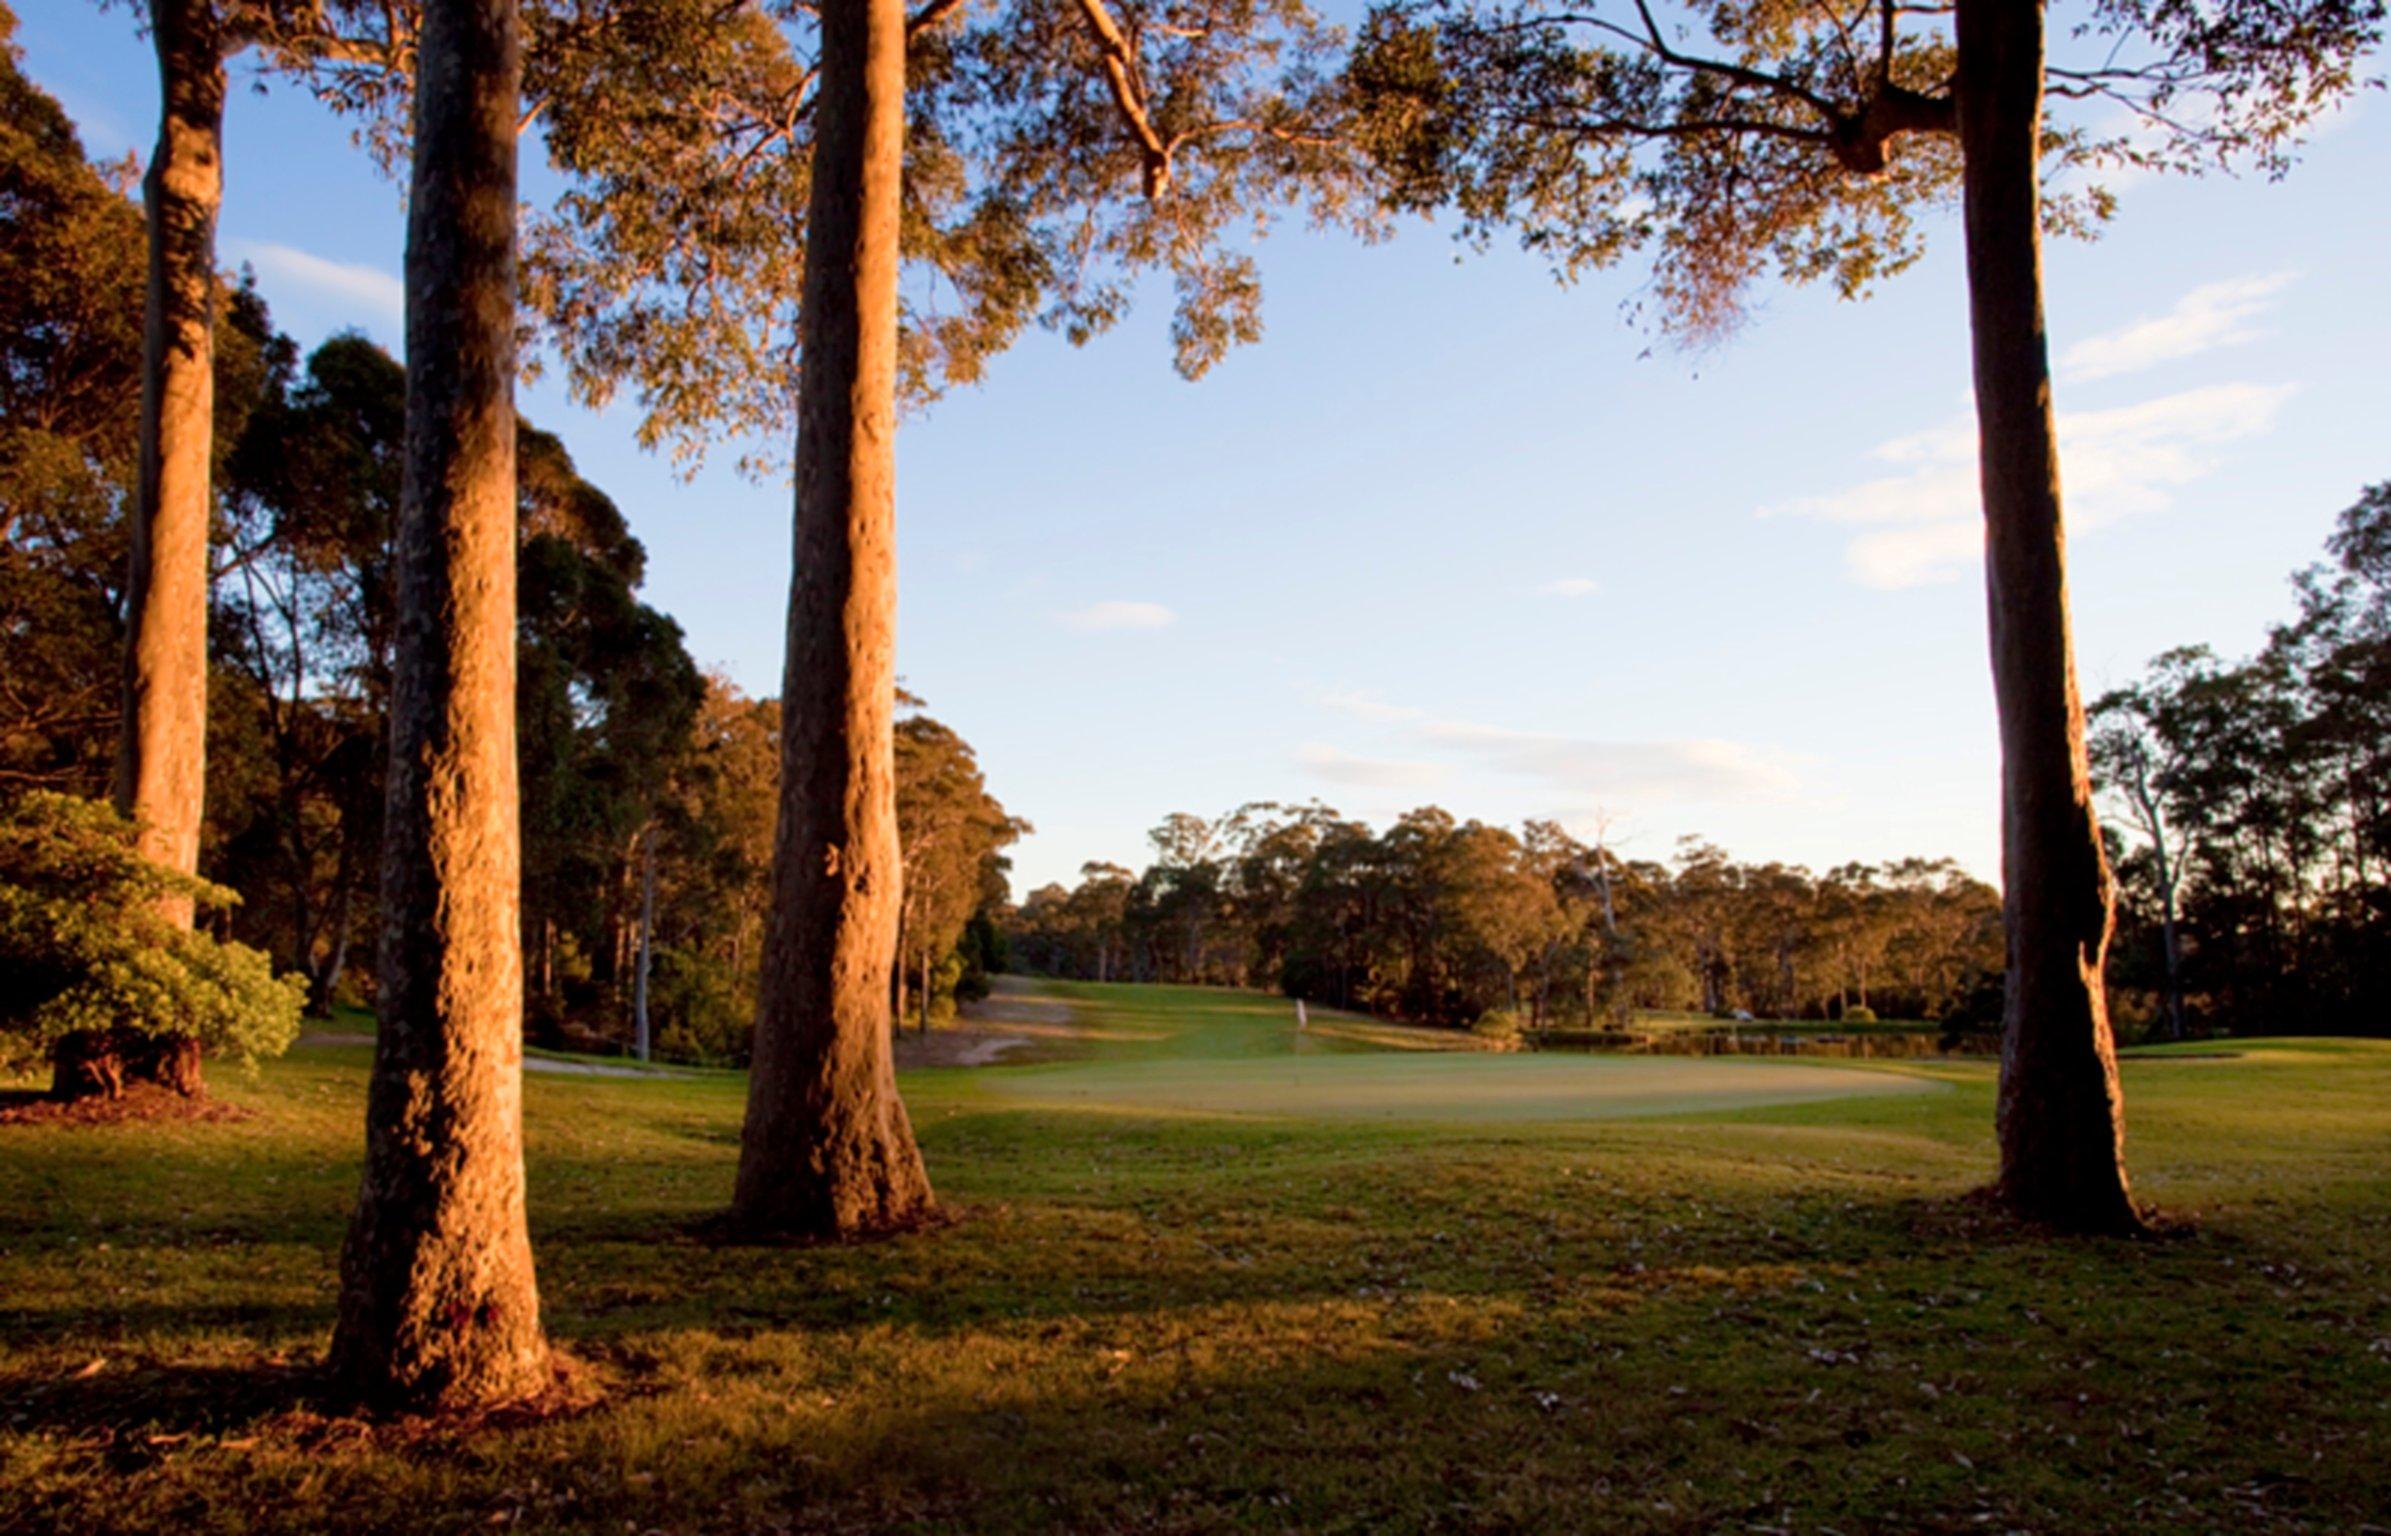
161	760
2143	800
2061	1116
647	943
438	1305
827	1150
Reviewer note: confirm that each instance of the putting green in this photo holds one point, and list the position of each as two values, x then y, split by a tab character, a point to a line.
1448	1087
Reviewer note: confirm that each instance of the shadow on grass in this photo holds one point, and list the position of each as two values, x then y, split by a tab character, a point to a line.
133	1414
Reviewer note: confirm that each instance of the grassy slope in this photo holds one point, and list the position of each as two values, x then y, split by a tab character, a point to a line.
1771	1317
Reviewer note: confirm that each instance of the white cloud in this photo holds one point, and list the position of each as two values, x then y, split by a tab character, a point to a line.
1118	613
1341	767
1571	586
382	296
1369	706
1575	770
1923	523
1590	769
2212	316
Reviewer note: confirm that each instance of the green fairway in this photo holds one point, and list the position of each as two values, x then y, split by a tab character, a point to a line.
1450	1088
1265	1314
1211	1053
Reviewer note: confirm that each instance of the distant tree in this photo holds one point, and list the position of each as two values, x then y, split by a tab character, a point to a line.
2267	773
70	356
1440	922
1747	134
951	829
1500	905
1099	911
303	624
438	1302
2132	759
714	875
606	699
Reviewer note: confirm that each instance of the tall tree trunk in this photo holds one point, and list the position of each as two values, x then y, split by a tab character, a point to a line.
323	977
438	1304
647	944
827	1149
2170	938
2061	1114
161	749
161	757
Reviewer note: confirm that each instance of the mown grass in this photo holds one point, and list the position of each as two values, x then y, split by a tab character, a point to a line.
1772	1318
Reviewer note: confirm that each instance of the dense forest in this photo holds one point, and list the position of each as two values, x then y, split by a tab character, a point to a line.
1448	922
2249	807
647	785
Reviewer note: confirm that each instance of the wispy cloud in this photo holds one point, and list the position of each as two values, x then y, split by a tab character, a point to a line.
1586	767
1923	523
1341	767
2211	316
376	293
1574	771
1119	613
1571	586
1369	706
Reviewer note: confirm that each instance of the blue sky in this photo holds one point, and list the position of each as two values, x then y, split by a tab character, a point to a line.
1454	533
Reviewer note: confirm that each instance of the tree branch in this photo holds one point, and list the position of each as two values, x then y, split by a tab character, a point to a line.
1120	62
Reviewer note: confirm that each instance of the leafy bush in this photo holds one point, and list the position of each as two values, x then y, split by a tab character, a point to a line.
1859	1014
86	945
1496	1024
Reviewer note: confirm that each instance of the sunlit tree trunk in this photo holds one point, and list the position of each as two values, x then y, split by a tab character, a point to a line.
647	944
827	1148
438	1305
2061	1115
161	761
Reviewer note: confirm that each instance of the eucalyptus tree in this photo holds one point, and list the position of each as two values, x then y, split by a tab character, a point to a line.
1740	137
438	1302
161	766
2133	750
952	831
1056	151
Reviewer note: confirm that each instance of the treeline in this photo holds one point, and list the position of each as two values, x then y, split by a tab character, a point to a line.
1446	922
648	788
2249	803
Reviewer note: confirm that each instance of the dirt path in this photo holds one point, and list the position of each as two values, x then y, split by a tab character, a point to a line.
1001	1027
